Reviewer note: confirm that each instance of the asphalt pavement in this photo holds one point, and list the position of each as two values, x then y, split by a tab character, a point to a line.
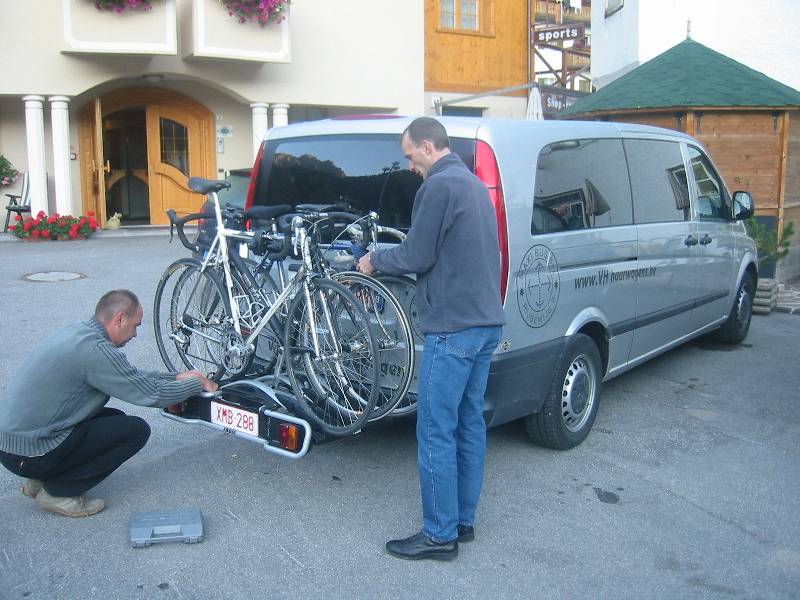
687	487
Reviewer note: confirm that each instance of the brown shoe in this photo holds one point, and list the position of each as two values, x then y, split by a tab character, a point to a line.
74	506
31	487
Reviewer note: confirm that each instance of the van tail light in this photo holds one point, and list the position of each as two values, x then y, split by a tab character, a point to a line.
251	189
488	172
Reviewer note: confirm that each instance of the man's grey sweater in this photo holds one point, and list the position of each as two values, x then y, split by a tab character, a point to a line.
453	249
68	378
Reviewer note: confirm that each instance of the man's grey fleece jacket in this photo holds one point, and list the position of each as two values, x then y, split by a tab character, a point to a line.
68	378
453	249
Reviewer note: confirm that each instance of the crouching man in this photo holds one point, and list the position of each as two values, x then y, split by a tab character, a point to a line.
55	429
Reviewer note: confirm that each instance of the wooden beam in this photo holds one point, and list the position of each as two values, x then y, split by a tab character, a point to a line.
785	126
690	123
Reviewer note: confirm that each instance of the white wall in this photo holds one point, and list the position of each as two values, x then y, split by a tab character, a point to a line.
361	53
760	34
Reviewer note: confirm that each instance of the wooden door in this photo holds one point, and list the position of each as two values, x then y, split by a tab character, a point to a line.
93	165
174	153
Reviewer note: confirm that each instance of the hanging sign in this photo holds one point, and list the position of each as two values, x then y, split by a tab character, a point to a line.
544	34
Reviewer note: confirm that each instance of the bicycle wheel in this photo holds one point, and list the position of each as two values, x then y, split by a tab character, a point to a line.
405	290
189	317
330	357
392	331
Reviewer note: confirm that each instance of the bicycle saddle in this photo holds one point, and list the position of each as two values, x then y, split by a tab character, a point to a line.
206	186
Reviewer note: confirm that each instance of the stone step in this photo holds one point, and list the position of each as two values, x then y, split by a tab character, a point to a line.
762	310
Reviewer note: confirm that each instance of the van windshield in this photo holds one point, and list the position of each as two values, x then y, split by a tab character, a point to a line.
361	172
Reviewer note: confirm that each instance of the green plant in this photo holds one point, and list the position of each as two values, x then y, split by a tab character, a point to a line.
8	174
120	6
54	227
770	246
260	11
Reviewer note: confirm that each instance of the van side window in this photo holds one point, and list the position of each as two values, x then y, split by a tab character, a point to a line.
658	181
712	199
581	184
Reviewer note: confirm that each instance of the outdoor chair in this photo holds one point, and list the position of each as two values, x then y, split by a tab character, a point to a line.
19	203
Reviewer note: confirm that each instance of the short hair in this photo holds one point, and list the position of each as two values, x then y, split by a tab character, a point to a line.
426	128
115	301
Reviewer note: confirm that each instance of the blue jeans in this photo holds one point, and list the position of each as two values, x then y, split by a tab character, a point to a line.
451	431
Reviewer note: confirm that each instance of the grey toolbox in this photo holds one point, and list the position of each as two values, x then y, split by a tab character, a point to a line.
179	525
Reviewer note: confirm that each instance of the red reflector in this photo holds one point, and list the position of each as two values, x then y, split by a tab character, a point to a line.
488	172
289	437
175	409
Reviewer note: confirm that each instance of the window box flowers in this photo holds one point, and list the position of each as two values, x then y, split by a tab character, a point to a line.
259	11
54	227
120	6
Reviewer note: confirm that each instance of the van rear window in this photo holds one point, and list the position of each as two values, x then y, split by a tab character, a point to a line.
362	172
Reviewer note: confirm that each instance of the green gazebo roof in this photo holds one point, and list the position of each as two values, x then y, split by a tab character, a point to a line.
688	74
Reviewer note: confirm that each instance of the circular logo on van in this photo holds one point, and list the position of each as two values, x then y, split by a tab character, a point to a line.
538	285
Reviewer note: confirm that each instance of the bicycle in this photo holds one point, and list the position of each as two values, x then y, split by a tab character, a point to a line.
218	310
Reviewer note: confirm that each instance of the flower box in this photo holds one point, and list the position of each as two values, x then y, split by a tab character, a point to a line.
87	29
216	34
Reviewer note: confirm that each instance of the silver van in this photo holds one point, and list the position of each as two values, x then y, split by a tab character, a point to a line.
618	243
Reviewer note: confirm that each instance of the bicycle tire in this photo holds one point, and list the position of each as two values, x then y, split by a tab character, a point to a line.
183	289
337	389
405	290
392	330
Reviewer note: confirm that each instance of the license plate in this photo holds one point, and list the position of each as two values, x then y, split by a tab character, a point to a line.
234	418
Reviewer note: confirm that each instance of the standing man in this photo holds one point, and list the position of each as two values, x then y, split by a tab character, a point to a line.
453	249
55	429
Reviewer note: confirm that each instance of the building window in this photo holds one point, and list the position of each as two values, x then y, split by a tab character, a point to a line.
460	14
175	145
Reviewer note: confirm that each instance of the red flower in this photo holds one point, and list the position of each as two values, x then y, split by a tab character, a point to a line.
27	226
35	233
90	213
83	221
37	221
12	227
46	233
18	217
51	219
41	214
73	233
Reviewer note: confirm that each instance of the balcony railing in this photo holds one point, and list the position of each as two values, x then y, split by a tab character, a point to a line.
552	11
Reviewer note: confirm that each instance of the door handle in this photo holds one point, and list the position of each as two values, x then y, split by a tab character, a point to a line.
690	241
107	167
706	239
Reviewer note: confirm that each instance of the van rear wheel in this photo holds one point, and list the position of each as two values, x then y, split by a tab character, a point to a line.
570	407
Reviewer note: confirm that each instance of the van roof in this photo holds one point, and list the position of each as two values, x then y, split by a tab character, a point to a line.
465	127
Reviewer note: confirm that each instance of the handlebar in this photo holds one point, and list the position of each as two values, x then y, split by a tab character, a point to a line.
178	223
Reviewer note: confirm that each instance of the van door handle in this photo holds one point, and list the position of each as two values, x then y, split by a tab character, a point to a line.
690	241
705	240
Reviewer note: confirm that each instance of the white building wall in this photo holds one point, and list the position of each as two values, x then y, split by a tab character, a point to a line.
762	35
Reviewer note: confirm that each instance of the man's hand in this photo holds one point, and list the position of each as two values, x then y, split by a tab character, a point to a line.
208	385
365	265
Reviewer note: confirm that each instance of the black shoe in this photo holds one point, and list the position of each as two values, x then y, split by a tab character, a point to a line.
420	546
466	533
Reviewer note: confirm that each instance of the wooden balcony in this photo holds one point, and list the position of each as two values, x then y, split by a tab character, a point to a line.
550	11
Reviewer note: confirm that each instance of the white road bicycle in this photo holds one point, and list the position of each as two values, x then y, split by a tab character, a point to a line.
211	314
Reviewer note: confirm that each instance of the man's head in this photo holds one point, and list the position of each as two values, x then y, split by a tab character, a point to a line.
120	313
424	142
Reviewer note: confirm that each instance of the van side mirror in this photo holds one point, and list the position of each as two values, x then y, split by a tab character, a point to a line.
743	207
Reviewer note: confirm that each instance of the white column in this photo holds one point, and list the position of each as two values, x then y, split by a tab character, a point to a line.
260	124
34	130
280	115
59	117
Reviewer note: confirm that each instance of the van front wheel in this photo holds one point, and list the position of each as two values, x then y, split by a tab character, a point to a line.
571	404
735	329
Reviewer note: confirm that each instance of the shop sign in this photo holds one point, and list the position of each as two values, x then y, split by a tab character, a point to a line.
557	33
